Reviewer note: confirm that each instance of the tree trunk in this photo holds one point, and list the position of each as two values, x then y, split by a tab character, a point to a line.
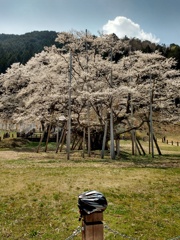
96	140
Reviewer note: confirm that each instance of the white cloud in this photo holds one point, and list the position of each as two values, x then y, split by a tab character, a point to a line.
122	26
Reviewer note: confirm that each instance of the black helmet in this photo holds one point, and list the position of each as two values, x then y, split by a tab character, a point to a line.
91	201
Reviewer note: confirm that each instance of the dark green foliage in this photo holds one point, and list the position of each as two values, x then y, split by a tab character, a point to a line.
144	46
20	48
174	51
148	47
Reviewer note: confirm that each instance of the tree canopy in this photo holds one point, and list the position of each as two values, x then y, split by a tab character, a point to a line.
39	90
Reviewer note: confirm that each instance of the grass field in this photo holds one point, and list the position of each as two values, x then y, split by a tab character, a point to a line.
39	193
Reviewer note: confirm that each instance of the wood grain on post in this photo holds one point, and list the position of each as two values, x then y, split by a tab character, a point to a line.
93	226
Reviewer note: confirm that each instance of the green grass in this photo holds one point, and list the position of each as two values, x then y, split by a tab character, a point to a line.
39	193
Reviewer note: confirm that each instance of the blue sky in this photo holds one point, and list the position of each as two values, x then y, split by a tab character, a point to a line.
154	20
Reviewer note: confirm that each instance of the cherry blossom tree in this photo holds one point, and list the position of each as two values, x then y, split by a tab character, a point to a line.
105	81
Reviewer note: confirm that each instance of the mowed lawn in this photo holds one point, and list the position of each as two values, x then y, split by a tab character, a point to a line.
39	194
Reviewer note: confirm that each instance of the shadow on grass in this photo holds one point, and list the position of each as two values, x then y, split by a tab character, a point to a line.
125	158
158	161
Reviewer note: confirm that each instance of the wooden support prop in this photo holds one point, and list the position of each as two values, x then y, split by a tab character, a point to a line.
42	136
118	147
155	141
132	138
74	142
93	226
63	140
84	142
80	147
142	149
48	136
61	137
77	143
104	139
138	148
157	146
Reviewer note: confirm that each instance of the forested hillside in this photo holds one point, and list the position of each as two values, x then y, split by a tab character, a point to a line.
20	48
173	50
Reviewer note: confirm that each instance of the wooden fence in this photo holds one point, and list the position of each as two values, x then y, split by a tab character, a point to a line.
174	143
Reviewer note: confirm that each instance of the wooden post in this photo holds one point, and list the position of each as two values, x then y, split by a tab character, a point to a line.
74	142
41	139
93	226
140	146
158	149
118	147
63	140
112	152
48	136
57	136
80	147
150	119
77	142
84	142
68	140
132	132
137	147
88	106
63	130
104	139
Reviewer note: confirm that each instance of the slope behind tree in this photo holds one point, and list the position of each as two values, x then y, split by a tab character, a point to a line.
20	48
